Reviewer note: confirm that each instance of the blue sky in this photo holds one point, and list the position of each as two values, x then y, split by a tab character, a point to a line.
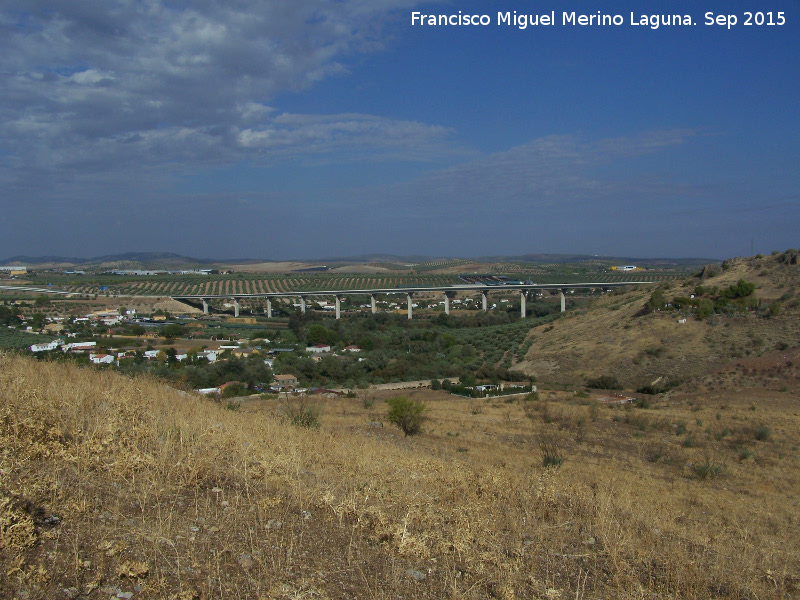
317	128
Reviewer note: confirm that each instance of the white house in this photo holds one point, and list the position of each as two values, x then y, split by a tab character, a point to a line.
210	355
319	348
46	347
78	346
149	354
102	359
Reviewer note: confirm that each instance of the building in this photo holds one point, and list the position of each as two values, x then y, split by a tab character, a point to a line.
79	346
244	352
46	347
102	359
209	355
319	348
286	381
352	348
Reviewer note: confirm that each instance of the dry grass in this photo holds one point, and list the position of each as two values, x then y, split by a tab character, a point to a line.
613	337
125	485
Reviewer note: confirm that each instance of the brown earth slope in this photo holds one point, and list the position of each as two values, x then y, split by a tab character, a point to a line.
615	335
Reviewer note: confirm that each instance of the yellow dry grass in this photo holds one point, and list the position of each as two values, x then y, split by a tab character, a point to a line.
133	487
613	336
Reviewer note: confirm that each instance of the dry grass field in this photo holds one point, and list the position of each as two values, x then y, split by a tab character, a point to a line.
116	488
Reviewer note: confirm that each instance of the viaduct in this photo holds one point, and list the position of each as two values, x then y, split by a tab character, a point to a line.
448	291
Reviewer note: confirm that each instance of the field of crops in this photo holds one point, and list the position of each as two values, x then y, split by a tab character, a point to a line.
441	264
245	283
260	283
608	277
17	340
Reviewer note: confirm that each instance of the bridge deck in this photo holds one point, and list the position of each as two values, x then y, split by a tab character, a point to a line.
415	290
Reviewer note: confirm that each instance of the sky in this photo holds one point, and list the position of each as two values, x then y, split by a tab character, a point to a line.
304	129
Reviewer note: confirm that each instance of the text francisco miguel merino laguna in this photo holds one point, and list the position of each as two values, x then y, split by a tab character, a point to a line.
523	21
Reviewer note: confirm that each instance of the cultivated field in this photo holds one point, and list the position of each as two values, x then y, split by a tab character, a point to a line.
259	283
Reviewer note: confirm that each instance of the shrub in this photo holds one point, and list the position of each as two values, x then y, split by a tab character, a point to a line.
604	382
236	389
406	414
436	384
706	469
762	433
705	309
532	396
653	451
721	435
301	412
551	456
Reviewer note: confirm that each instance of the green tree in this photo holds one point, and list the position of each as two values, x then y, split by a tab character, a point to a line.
469	380
657	301
741	289
705	309
134	329
37	320
406	414
42	301
172	331
319	334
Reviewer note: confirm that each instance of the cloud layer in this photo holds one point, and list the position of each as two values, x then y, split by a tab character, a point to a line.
110	85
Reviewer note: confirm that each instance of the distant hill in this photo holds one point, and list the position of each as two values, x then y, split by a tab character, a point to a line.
578	258
162	258
171	259
524	258
39	260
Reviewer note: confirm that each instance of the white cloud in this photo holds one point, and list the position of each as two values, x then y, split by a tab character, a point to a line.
110	84
89	77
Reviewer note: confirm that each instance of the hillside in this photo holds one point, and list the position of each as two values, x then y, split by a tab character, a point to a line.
617	336
119	487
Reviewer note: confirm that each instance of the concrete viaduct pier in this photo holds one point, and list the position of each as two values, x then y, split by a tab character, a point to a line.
449	293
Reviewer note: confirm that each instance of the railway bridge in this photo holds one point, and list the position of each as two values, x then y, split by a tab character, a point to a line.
448	291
